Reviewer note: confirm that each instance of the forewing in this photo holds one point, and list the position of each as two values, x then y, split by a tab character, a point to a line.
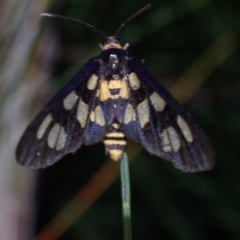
63	125
162	126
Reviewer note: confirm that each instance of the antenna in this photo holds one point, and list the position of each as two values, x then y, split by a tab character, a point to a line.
139	12
67	19
92	28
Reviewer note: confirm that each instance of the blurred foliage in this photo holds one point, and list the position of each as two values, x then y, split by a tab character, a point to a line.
174	37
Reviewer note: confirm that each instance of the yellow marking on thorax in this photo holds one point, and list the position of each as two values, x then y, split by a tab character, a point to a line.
124	93
104	93
115	84
111	45
118	84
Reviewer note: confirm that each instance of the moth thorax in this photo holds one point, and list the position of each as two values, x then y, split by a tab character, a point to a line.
113	61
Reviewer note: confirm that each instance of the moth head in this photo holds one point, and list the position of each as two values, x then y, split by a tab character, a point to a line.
111	42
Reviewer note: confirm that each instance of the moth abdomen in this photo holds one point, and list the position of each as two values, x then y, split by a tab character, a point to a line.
115	142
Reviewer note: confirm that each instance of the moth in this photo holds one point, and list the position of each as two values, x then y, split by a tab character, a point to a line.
112	99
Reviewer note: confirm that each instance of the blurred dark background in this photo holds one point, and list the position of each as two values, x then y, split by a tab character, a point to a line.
192	47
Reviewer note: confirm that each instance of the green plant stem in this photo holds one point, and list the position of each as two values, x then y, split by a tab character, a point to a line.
126	197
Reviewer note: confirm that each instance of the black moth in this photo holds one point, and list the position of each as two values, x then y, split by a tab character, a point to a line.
113	98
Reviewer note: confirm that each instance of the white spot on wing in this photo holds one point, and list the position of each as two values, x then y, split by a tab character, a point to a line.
44	125
165	141
143	112
70	100
134	81
170	140
82	113
53	135
62	138
99	117
157	102
130	114
185	129
92	82
173	136
92	116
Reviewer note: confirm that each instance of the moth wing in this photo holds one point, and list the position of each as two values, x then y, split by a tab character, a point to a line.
63	125
162	126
